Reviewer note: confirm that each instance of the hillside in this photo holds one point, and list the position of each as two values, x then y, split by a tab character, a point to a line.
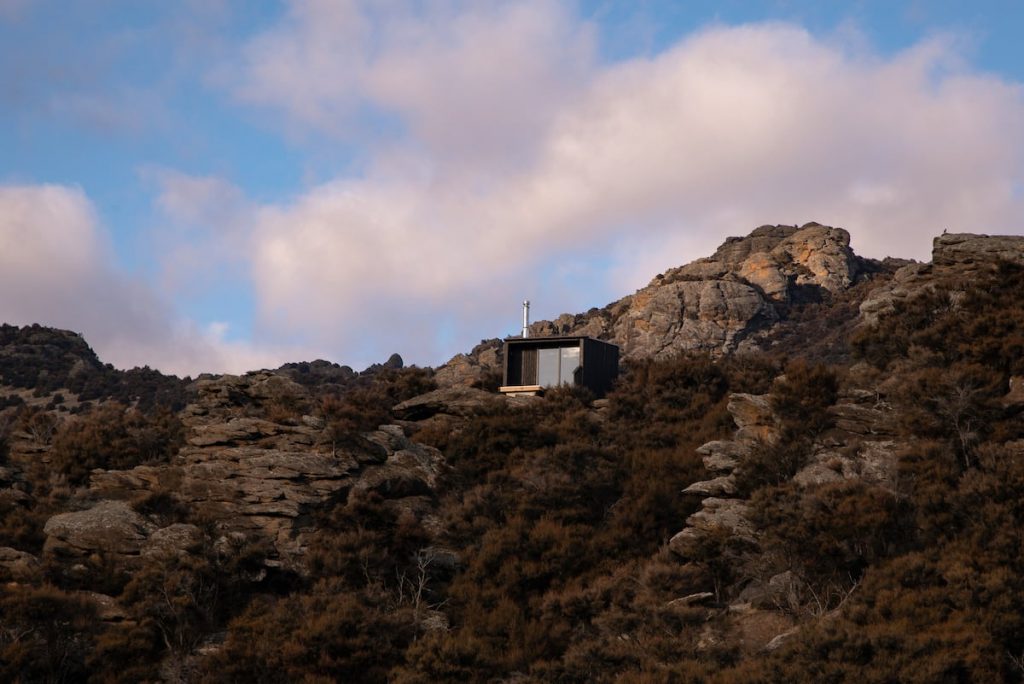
809	470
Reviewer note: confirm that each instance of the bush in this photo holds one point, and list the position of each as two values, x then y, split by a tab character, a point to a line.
47	635
801	398
113	437
827	535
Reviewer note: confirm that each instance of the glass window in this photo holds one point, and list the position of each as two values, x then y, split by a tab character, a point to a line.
570	362
547	367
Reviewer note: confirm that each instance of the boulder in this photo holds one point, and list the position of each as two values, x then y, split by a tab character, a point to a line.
18	566
109	527
1015	397
730	514
818	473
861	419
906	282
755	420
472	369
410	470
462	370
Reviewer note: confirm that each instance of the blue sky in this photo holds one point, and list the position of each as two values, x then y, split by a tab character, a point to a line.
217	186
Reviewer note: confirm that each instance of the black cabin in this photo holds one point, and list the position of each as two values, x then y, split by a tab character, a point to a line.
533	363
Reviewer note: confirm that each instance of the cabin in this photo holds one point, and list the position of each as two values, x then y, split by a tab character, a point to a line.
535	363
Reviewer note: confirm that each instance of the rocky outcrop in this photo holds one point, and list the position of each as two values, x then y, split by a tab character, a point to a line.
35	351
724	485
906	282
715	515
952	249
781	259
754	418
700	315
262	478
956	257
718	304
472	369
860	446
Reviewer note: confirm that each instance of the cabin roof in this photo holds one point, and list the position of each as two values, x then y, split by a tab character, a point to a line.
557	338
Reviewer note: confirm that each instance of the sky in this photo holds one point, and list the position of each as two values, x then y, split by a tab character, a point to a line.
220	185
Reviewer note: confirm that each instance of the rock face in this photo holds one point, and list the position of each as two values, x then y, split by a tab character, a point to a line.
860	446
472	369
719	304
779	260
955	257
255	476
701	315
951	249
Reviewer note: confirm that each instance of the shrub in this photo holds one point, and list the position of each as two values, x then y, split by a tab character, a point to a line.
801	398
827	535
47	635
113	437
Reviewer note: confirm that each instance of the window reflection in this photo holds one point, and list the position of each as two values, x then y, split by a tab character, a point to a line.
547	367
558	366
570	359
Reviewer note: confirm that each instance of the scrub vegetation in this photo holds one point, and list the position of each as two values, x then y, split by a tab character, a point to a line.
547	556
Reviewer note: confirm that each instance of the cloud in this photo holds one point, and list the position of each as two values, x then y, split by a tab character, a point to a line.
56	269
628	168
501	159
474	81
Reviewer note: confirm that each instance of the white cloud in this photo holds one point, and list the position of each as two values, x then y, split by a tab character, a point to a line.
472	81
56	269
310	65
729	129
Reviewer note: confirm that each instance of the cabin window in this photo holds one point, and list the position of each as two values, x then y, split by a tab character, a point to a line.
558	366
570	363
547	367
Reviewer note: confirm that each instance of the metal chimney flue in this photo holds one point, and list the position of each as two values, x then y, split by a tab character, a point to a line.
526	318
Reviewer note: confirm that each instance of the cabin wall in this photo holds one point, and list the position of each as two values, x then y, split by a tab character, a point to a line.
600	366
520	365
599	363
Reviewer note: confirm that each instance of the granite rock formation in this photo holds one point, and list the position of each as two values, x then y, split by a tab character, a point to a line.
719	304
